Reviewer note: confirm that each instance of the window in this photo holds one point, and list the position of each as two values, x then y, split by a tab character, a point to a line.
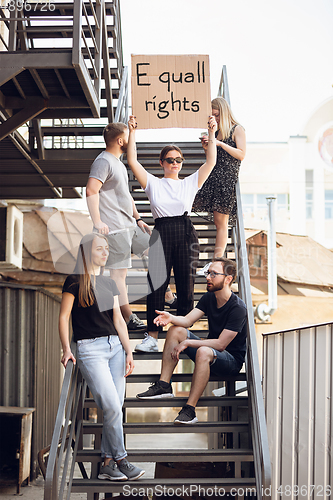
261	200
253	202
248	202
283	201
309	193
328	204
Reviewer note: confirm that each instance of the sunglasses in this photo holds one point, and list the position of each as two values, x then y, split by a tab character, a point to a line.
179	159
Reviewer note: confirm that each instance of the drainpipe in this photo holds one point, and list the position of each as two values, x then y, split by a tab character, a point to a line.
264	311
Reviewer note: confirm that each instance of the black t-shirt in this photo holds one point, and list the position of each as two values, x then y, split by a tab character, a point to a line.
231	316
96	320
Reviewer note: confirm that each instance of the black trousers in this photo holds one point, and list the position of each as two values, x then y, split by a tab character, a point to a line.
173	244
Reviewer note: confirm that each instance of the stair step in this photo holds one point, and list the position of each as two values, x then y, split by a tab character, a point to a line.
217	484
180	402
182	377
171	428
177	402
192	455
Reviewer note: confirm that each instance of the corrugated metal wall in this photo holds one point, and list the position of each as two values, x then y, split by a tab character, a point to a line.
297	386
30	368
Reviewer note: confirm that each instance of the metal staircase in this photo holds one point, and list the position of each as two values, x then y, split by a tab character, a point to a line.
235	422
60	83
61	76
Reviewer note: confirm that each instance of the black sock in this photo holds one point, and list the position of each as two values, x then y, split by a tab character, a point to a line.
190	406
165	385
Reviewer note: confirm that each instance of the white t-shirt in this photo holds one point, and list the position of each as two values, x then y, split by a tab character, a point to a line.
170	197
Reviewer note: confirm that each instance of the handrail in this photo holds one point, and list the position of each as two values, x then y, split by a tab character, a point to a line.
256	403
69	407
122	106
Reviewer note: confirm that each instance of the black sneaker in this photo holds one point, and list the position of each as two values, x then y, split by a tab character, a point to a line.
156	391
173	303
186	416
135	324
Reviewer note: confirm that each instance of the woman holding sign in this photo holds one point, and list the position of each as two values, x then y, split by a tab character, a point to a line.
171	200
218	194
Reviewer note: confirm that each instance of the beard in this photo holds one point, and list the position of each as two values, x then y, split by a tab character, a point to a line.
124	147
215	288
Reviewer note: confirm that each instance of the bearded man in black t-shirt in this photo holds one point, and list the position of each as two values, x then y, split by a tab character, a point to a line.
222	353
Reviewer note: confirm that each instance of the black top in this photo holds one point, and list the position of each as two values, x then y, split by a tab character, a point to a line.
231	316
96	320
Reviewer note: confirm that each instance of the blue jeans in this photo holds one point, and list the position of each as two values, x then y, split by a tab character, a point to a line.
223	363
102	364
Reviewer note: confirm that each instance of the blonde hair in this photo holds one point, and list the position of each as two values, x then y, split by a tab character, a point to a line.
86	295
227	119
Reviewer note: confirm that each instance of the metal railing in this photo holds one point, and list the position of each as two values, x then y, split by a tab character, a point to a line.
297	386
256	403
67	432
261	455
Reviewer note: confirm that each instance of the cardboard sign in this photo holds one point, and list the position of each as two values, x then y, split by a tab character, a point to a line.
171	91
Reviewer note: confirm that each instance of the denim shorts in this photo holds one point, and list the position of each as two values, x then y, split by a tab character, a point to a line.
122	244
223	363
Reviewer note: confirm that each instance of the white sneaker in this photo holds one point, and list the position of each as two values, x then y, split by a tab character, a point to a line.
149	344
201	272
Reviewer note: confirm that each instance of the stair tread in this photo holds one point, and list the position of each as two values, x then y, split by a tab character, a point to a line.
178	455
171	428
178	377
98	485
180	402
210	401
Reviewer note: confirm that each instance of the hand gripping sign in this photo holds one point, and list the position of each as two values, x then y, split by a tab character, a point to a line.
171	91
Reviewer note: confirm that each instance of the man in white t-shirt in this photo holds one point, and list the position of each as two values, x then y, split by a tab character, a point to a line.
114	214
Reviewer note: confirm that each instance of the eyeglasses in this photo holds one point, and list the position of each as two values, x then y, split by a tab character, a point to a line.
179	159
214	274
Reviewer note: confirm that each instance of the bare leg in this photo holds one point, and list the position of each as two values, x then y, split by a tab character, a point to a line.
175	335
221	223
119	276
201	374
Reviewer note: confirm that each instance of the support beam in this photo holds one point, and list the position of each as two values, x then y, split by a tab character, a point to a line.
39	139
19	88
33	108
54	102
62	83
39	83
106	66
9	72
57	191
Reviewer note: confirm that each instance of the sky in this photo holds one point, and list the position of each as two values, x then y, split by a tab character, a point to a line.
278	54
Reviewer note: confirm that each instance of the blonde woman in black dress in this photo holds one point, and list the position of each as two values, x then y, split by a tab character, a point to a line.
218	194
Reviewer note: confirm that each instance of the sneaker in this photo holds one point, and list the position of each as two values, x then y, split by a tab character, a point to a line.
135	324
131	471
186	416
201	272
149	344
111	472
172	303
156	391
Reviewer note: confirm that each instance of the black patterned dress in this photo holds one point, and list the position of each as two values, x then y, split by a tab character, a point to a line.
218	193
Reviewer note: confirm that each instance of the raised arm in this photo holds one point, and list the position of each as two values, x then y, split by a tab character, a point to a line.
208	166
132	160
